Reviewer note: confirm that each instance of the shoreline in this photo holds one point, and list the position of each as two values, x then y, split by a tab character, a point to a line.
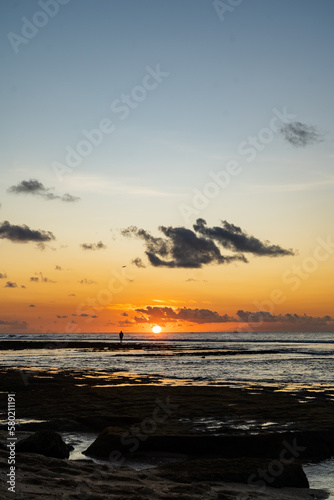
188	417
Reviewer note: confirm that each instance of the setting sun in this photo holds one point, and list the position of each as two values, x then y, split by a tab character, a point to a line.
156	329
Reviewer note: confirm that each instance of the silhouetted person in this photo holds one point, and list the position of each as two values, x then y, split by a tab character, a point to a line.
121	335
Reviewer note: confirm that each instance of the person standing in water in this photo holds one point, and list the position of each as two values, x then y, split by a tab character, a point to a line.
121	335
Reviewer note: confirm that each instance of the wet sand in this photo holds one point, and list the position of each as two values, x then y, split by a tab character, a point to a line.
90	401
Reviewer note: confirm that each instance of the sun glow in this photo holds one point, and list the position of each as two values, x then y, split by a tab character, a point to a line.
156	329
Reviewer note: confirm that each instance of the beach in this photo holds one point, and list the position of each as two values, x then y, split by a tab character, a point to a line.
163	438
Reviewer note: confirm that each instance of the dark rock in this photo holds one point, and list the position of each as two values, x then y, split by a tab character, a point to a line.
293	445
260	472
47	443
100	422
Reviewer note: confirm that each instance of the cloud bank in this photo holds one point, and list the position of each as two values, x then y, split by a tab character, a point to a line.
162	315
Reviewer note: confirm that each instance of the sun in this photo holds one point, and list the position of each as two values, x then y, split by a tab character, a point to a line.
156	329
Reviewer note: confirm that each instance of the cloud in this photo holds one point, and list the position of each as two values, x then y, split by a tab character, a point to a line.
138	262
36	188
85	281
93	246
17	325
163	315
61	317
59	268
183	248
300	134
10	284
3	276
167	314
32	305
267	317
41	278
23	234
235	239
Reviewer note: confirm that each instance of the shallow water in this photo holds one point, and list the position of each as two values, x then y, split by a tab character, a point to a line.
298	358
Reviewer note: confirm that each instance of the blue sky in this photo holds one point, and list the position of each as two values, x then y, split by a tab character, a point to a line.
222	82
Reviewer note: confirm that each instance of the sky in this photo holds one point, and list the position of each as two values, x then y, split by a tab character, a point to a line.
166	162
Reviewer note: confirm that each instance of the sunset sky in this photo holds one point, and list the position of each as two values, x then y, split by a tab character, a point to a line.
166	162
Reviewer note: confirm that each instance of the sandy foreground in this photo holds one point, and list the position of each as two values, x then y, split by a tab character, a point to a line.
87	401
48	478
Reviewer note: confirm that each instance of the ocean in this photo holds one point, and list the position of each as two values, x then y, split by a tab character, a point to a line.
288	359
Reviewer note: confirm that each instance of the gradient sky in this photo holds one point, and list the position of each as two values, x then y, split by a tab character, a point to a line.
250	84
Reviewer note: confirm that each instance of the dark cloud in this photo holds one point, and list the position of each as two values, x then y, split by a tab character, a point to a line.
23	234
71	294
300	134
3	276
41	278
36	188
93	246
167	314
10	284
267	317
183	248
32	305
235	239
85	281
163	315
124	314
83	315
138	262
59	268
17	325
123	322
61	317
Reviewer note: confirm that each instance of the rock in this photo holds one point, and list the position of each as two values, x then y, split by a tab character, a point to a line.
293	445
100	422
47	443
260	472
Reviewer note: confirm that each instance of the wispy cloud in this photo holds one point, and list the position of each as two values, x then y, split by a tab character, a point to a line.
300	134
36	188
85	281
17	325
93	246
10	284
290	188
102	185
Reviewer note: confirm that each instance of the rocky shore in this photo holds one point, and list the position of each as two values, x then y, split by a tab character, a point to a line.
232	443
